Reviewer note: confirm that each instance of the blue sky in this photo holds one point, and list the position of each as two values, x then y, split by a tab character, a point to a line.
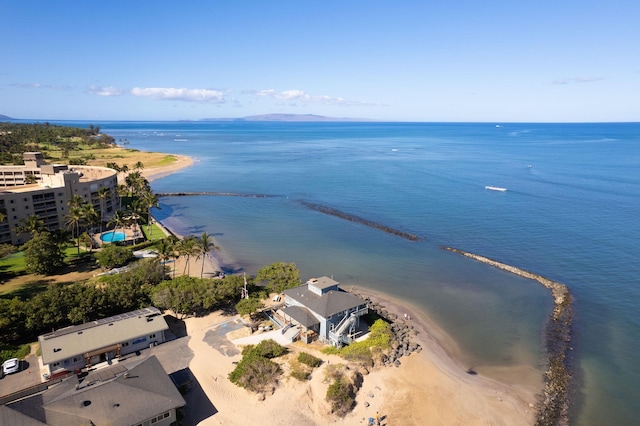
495	61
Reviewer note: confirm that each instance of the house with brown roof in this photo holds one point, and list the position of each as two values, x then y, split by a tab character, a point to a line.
324	310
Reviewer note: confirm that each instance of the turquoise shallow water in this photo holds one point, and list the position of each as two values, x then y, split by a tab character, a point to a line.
570	213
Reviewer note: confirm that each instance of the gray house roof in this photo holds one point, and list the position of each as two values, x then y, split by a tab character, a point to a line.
76	340
124	398
330	303
302	315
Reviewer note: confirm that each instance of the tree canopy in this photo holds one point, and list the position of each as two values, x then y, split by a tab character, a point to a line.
279	276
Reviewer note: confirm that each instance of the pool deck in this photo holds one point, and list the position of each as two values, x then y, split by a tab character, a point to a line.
132	233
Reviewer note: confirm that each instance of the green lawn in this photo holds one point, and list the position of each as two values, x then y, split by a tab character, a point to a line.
13	264
155	234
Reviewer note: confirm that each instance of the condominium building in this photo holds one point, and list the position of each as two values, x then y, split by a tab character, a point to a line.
44	190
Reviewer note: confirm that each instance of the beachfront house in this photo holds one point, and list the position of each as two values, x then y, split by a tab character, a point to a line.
323	310
137	394
80	346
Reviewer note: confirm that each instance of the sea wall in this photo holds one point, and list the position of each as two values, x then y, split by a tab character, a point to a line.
554	407
212	194
353	218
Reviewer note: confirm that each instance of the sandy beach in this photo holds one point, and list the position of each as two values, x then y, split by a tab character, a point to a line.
429	387
153	173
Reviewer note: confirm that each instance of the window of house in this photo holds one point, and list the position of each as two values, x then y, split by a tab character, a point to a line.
153	336
55	364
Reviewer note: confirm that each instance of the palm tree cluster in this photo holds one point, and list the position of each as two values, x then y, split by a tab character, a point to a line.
187	248
81	215
140	197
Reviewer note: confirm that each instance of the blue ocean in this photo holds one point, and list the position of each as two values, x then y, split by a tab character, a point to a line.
571	213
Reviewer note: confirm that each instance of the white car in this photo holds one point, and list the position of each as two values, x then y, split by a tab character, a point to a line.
11	366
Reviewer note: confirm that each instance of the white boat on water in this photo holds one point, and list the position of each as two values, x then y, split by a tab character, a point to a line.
495	188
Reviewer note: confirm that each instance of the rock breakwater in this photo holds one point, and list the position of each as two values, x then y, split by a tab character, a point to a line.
353	218
402	340
554	407
213	194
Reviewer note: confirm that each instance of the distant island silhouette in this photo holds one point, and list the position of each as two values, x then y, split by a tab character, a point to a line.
289	118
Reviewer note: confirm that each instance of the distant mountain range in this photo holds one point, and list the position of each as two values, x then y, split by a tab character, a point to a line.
288	117
5	117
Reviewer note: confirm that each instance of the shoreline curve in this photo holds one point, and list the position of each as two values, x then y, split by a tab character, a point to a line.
554	409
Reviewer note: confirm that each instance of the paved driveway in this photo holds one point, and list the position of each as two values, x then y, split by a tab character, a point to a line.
29	375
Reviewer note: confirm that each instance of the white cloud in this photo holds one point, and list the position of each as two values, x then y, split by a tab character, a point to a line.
105	91
190	95
577	80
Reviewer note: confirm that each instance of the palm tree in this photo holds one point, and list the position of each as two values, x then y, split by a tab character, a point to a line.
188	247
119	220
103	193
166	250
137	209
74	217
151	200
205	245
90	215
122	192
138	166
31	225
76	201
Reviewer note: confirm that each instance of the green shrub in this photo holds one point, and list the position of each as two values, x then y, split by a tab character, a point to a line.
8	351
340	396
299	371
309	360
112	256
270	349
364	351
256	372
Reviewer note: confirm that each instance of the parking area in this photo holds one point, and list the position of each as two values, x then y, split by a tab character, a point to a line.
28	375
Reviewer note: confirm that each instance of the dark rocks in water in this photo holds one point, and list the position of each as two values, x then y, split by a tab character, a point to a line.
213	194
554	409
353	218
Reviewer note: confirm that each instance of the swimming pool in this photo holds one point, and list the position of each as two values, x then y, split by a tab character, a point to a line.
109	237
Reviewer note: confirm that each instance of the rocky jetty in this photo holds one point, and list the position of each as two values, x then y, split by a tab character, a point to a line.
212	194
353	218
402	341
554	407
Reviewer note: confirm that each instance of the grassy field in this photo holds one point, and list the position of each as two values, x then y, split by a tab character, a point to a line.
101	156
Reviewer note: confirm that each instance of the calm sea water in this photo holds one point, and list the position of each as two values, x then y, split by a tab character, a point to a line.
571	213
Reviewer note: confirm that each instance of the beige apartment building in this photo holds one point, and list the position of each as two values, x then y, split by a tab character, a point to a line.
49	194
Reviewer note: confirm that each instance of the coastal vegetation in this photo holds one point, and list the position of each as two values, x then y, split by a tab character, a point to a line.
279	276
72	145
370	350
256	371
302	366
341	393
